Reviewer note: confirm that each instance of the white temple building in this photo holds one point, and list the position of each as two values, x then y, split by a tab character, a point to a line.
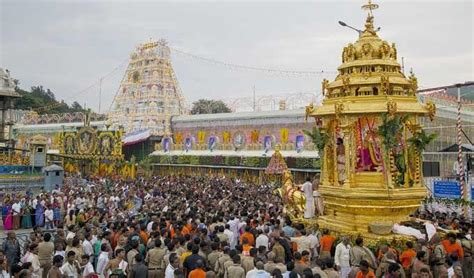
7	98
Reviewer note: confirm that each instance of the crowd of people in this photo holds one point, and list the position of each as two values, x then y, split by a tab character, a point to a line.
196	227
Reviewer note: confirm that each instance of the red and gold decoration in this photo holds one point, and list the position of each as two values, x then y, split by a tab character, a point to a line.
94	151
293	199
277	164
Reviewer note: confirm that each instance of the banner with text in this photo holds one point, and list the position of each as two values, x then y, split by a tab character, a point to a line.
447	189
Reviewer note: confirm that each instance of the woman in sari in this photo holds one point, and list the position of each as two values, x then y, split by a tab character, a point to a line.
8	223
56	212
4	209
26	219
70	219
81	218
39	217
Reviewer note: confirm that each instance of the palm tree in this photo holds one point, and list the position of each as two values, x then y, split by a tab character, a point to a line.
420	140
389	131
318	137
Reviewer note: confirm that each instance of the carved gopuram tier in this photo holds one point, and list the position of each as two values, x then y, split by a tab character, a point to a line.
371	175
149	94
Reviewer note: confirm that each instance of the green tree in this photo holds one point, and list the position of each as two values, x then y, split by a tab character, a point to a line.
209	106
76	107
320	138
39	97
45	95
59	108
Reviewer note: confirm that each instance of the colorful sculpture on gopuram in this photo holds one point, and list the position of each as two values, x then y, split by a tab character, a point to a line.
371	138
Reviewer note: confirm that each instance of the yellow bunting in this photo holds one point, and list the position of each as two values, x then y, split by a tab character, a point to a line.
254	136
226	137
284	135
201	137
179	138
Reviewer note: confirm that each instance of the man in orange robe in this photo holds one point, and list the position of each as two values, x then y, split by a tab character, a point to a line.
249	236
452	247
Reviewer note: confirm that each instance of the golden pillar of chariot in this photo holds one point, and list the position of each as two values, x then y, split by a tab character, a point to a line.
371	138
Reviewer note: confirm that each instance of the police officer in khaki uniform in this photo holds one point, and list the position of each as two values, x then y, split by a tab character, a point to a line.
438	258
467	245
219	268
213	256
155	260
235	270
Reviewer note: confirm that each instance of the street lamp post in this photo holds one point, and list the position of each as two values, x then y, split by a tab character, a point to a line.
342	23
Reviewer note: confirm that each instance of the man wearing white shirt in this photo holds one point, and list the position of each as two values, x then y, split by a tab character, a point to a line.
87	245
308	193
172	266
16	209
71	234
314	239
258	271
80	203
149	227
234	224
103	260
71	268
48	218
262	239
342	257
230	235
302	241
290	267
87	268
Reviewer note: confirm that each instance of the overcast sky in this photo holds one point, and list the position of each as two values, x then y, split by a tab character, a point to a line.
68	45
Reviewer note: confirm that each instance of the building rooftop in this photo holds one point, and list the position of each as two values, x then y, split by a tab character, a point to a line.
240	115
243	153
53	167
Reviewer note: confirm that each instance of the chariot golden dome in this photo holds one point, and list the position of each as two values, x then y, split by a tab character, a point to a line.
370	74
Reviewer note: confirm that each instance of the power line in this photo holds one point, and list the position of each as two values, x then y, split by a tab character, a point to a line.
116	94
445	126
252	68
98	82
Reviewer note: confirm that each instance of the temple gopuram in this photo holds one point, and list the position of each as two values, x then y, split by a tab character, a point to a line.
149	94
369	124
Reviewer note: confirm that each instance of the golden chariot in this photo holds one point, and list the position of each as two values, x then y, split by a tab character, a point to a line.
370	138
